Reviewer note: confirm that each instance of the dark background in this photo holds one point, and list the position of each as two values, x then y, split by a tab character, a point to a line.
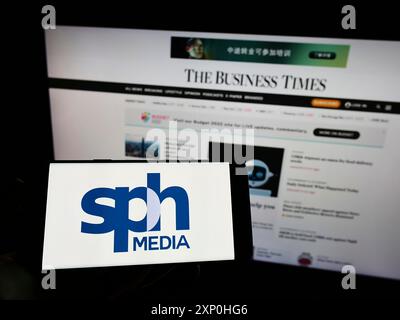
28	150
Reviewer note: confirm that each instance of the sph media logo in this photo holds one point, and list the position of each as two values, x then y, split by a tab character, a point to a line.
117	218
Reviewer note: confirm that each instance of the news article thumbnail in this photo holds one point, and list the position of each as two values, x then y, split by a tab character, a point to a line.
137	146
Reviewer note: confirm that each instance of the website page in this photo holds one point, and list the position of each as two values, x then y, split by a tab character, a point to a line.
325	113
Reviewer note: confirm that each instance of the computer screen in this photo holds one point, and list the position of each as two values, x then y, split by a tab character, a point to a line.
322	115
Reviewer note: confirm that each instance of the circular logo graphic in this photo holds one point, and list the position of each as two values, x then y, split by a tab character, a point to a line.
145	116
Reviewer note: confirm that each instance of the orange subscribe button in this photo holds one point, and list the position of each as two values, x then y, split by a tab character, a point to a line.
325	103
